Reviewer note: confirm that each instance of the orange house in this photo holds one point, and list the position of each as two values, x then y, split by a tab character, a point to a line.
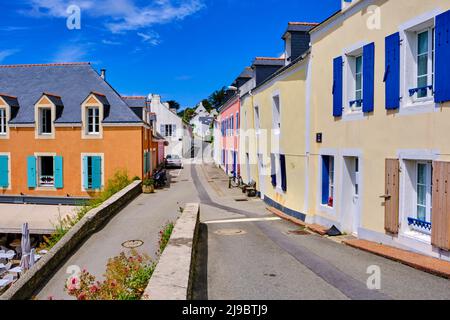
64	131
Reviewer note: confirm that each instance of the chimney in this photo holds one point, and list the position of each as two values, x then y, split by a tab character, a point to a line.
297	40
103	74
265	67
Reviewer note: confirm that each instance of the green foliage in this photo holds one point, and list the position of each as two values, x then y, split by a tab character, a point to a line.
217	98
164	236
118	182
174	104
148	182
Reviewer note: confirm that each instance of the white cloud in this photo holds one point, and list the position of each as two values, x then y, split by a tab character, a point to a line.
151	38
7	53
111	43
70	53
121	15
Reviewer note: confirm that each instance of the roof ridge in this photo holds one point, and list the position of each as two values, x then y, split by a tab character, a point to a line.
303	23
7	95
268	58
51	94
133	97
45	65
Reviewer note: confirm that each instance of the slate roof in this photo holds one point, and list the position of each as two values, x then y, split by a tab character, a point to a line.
68	84
135	102
299	26
206	120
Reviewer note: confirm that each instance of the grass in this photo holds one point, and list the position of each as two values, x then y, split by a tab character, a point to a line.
164	238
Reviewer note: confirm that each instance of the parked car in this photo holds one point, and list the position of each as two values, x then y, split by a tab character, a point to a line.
174	161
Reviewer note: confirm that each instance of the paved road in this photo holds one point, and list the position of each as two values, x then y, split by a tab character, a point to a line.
141	220
264	260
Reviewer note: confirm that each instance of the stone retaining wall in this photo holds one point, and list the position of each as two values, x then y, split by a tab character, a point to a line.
172	279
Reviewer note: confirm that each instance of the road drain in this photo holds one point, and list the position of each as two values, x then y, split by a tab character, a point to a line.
230	232
241	200
132	244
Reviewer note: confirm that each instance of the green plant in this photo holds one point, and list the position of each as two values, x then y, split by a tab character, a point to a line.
126	278
164	237
148	182
118	182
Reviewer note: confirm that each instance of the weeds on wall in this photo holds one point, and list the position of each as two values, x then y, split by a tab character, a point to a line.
119	181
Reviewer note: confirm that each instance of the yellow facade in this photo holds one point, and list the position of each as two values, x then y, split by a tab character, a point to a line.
412	133
289	87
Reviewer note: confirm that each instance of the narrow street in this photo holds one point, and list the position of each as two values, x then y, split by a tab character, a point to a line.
245	252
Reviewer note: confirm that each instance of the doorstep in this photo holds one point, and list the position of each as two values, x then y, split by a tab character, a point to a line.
418	261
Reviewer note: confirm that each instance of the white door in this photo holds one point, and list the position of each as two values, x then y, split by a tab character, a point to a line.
350	217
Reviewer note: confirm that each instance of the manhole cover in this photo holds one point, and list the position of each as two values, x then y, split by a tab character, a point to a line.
132	244
230	232
299	232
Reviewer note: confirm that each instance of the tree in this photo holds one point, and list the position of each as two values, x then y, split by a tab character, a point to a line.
207	105
217	98
174	105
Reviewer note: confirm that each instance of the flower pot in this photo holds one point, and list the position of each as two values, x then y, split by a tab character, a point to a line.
148	189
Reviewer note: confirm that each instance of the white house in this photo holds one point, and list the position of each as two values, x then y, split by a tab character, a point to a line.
171	127
202	121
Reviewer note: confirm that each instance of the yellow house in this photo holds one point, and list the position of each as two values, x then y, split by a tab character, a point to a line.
379	116
273	150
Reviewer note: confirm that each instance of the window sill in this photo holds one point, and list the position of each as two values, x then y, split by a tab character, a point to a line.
327	209
417	235
46	189
417	107
353	115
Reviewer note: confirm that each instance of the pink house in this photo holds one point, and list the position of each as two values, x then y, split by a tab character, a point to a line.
230	125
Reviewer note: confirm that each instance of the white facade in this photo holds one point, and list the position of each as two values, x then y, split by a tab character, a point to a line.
172	128
201	122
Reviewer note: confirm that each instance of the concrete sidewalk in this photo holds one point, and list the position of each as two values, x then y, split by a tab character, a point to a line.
273	259
141	220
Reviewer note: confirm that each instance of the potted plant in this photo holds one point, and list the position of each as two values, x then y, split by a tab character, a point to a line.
148	186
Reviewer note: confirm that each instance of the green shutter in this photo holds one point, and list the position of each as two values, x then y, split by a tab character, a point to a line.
96	173
31	170
4	172
85	173
59	176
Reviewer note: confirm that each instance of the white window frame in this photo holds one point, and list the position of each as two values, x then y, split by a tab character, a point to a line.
3	121
324	208
429	194
101	155
8	154
408	64
37	156
38	118
89	103
430	62
276	114
351	56
43	111
95	120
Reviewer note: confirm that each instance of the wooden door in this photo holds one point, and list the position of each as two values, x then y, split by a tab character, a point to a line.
391	196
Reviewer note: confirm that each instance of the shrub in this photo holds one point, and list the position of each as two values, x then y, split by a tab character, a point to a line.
148	182
126	278
164	237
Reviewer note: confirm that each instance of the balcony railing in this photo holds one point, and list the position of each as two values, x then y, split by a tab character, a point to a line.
419	225
46	181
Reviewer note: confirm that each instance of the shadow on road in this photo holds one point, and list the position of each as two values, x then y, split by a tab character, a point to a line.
200	276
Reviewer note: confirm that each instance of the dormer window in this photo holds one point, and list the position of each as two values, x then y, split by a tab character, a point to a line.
45	121
93	120
93	111
3	121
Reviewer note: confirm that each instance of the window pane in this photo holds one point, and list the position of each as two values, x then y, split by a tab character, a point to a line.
358	81
423	42
421	173
421	213
422	65
422	195
359	64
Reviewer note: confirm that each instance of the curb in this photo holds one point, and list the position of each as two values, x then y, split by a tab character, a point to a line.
313	227
417	261
172	278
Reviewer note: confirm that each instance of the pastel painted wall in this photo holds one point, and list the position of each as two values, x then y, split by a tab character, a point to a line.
412	131
121	147
230	142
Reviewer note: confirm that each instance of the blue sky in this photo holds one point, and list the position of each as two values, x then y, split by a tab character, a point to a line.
181	49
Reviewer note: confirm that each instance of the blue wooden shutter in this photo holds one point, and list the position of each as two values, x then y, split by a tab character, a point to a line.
442	62
273	170
392	71
325	179
96	172
283	172
368	77
85	173
59	175
31	170
4	172
338	86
